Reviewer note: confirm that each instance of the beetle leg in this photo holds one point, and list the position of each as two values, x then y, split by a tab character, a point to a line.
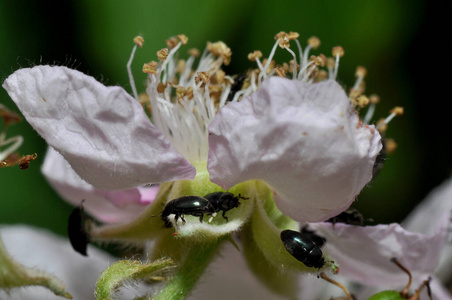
224	216
182	218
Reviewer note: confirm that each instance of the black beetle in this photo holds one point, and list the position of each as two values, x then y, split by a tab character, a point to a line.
315	238
76	230
188	205
223	201
302	248
350	216
236	86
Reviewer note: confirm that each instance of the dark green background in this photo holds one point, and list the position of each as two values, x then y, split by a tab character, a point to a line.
393	39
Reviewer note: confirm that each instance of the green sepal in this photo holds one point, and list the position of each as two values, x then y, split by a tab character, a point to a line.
14	274
267	222
146	226
197	258
125	271
281	282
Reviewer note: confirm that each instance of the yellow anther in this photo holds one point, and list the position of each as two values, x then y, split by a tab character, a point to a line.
285	67
374	98
381	125
150	67
183	39
354	93
180	92
318	60
284	38
361	72
161	87
203	77
390	145
330	63
180	66
215	93
293	35
220	49
218	77
398	111
314	42
338	50
172	42
280	72
271	66
363	101
254	55
322	75
144	100
162	54
139	41
194	52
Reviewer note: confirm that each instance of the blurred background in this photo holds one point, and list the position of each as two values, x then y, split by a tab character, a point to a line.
403	44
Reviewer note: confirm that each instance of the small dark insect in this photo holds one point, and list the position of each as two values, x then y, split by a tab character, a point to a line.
316	239
302	248
223	201
76	230
350	216
236	86
379	161
188	205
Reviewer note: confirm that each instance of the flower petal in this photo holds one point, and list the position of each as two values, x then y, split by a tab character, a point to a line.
54	255
101	131
106	206
423	218
364	253
304	140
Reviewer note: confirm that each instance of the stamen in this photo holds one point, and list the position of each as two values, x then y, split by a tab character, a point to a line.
396	111
403	293
338	52
139	41
280	72
373	99
360	74
264	69
347	293
313	43
15	142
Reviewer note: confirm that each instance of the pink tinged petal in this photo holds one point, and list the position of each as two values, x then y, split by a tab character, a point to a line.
305	140
101	131
423	220
364	253
40	249
106	206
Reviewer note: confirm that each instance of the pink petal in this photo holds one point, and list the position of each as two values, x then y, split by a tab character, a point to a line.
106	206
101	131
305	140
364	253
423	220
40	249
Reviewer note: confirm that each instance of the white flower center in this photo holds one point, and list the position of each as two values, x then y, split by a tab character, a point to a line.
185	100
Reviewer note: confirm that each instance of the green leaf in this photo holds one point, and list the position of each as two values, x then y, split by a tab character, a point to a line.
13	275
111	279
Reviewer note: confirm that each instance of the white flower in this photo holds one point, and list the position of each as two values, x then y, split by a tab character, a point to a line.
303	139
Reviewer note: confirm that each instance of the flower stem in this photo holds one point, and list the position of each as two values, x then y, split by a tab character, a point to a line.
194	265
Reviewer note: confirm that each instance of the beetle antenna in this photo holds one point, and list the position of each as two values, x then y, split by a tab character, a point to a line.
403	293
243	198
323	275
